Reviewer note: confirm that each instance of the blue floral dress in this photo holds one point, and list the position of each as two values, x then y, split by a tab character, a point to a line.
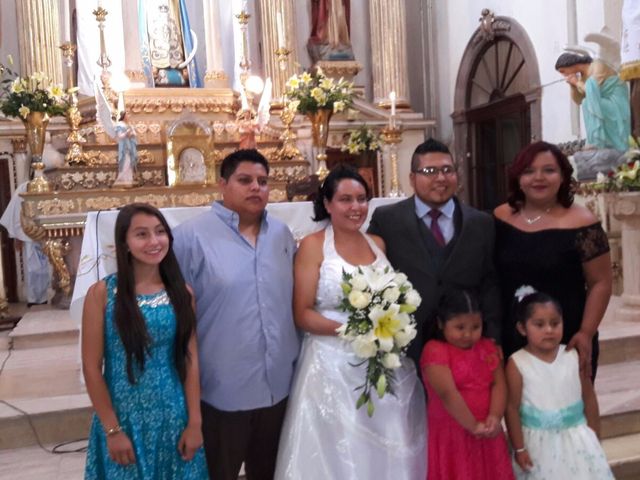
153	411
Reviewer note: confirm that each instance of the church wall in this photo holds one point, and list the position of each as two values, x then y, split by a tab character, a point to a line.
546	22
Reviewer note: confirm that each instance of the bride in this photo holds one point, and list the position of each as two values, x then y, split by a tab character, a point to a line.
323	435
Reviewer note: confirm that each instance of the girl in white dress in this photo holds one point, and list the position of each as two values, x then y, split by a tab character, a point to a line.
324	436
552	414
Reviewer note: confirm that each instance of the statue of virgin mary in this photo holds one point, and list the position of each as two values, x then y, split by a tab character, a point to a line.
167	43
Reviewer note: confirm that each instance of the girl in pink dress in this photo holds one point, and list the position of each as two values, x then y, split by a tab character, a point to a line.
467	394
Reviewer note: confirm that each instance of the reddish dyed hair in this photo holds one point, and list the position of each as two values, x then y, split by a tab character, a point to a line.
524	159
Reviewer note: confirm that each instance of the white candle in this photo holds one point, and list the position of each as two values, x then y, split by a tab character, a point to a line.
392	97
66	19
280	30
99	3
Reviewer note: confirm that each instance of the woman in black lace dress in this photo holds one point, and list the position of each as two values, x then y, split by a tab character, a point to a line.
544	240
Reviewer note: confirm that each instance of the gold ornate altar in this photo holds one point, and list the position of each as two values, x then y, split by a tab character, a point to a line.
84	183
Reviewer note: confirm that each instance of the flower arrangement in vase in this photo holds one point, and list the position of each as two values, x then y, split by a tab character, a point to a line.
363	139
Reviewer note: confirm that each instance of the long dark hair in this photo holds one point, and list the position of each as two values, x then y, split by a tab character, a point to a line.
524	159
454	302
328	189
129	321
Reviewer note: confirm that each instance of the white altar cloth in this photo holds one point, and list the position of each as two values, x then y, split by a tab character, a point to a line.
98	254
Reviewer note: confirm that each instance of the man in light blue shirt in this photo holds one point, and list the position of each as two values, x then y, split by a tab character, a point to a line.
239	262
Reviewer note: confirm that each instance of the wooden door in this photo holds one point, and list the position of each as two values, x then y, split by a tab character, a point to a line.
7	248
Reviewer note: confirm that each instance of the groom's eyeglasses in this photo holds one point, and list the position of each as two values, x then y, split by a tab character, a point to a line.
434	171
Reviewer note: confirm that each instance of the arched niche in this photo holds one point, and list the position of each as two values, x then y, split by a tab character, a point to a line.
496	107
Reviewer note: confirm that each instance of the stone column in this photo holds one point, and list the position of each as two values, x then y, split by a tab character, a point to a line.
214	75
626	208
132	56
389	51
271	9
39	38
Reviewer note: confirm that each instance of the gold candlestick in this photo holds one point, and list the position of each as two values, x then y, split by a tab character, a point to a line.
392	136
289	149
68	52
245	64
104	61
282	53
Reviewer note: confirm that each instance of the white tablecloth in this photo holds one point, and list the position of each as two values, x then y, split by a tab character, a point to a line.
98	255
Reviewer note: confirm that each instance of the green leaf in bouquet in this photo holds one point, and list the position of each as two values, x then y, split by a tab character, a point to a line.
381	385
362	399
406	308
370	408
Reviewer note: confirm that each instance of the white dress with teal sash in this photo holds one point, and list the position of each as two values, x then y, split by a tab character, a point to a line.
556	434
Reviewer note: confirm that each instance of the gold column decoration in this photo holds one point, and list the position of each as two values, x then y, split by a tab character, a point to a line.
38	35
392	135
56	249
279	44
104	61
389	51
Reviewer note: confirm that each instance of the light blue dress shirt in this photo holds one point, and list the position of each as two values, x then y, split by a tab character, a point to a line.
247	340
445	221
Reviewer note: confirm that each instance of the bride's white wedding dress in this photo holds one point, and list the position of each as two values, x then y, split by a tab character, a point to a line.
324	436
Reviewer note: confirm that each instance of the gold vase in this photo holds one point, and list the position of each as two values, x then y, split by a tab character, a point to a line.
36	126
320	134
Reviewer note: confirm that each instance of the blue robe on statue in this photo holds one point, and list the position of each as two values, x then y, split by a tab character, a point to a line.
607	113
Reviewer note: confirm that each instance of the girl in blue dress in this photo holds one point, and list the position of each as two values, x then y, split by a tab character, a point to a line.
140	360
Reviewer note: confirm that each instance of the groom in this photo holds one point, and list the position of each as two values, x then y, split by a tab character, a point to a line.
438	242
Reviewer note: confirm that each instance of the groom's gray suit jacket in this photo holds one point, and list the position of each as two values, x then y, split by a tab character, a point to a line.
467	262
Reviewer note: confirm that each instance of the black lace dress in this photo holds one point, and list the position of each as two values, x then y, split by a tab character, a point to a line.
550	261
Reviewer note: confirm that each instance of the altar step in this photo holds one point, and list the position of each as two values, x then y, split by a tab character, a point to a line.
42	326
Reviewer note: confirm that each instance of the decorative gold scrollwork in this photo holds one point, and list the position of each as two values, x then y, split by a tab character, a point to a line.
56	249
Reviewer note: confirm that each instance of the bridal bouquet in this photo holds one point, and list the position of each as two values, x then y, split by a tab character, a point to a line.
380	302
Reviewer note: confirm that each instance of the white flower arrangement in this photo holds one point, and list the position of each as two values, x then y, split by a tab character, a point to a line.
362	139
380	303
311	91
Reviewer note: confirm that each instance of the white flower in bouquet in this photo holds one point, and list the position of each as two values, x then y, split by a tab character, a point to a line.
400	279
412	301
359	299
358	282
379	302
405	336
364	346
391	294
391	361
378	278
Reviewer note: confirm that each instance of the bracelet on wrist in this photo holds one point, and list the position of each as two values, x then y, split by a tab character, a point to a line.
520	450
113	431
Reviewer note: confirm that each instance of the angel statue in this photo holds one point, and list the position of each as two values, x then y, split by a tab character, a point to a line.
595	86
251	122
123	133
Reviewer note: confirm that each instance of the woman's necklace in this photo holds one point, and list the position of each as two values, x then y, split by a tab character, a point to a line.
531	221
